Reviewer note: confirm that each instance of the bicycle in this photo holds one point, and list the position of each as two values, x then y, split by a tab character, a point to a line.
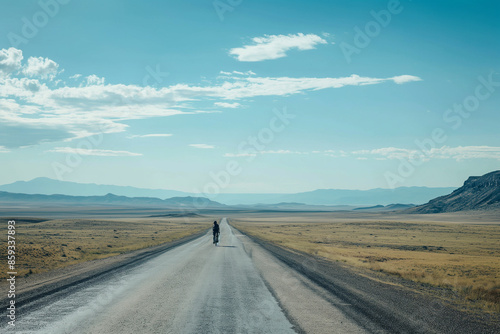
216	238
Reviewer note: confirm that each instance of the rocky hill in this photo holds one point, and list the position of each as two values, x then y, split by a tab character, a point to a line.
477	193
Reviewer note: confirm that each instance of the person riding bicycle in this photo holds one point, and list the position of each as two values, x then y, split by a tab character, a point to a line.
216	232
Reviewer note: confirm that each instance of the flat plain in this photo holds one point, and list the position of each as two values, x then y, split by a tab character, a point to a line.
455	252
458	252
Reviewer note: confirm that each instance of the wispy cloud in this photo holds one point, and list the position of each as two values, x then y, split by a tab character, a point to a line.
102	153
467	152
202	146
275	46
282	86
227	105
282	152
233	73
239	155
152	135
268	152
391	153
444	152
3	149
388	152
48	112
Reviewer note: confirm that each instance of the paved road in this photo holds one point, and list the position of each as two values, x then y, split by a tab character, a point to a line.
194	288
238	287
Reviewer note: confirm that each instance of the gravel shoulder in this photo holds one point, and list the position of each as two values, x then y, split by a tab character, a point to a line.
36	286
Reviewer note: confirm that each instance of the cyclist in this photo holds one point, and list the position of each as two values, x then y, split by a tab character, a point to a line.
216	232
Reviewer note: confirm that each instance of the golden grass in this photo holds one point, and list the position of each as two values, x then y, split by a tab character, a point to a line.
45	245
462	257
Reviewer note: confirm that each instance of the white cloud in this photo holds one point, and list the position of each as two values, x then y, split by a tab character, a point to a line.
41	67
405	78
94	80
202	146
3	149
75	76
10	61
275	46
227	105
444	152
20	87
102	153
152	135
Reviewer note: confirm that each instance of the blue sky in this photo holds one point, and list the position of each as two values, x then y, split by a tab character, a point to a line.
250	96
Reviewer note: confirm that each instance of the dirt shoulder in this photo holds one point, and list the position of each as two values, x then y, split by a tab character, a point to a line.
36	286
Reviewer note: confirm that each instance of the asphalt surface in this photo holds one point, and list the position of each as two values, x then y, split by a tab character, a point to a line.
240	286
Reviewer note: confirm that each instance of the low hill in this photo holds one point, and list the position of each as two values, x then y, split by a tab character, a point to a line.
477	193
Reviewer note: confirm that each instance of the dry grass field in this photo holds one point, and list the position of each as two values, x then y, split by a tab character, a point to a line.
43	245
464	257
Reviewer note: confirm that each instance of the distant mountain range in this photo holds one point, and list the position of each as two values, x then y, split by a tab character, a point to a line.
189	202
390	207
46	186
477	193
406	195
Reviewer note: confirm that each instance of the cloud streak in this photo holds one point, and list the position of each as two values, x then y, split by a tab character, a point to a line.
445	152
202	146
96	152
391	153
152	135
227	105
275	46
